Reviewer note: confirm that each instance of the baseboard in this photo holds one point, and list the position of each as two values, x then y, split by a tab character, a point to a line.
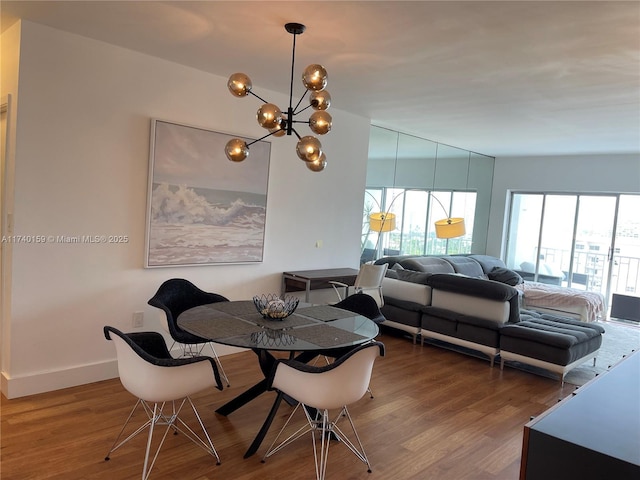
24	385
21	386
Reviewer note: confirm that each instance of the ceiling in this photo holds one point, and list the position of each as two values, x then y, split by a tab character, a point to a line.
506	78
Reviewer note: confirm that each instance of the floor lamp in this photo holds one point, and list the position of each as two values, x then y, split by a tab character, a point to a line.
450	227
381	222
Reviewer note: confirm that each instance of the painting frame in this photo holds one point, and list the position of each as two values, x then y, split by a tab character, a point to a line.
203	209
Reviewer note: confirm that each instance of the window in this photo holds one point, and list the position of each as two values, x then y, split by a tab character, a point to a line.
585	241
416	211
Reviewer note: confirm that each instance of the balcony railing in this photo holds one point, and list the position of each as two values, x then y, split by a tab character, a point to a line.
591	271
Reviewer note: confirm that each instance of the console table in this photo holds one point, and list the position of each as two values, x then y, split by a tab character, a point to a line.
307	280
592	434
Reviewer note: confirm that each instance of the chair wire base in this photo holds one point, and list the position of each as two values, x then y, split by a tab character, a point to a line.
319	424
171	419
195	350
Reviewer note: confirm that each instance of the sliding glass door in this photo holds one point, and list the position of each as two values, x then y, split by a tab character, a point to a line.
584	241
625	254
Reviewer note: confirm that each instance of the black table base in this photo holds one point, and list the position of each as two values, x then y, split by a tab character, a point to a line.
267	360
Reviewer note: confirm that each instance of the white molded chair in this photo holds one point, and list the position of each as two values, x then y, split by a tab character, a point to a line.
369	281
163	385
320	389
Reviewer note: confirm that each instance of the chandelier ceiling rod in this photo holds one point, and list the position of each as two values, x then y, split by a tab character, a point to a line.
280	123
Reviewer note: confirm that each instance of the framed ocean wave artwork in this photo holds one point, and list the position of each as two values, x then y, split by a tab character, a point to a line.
203	209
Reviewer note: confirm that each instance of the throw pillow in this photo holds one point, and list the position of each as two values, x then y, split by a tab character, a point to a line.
413	277
391	273
505	275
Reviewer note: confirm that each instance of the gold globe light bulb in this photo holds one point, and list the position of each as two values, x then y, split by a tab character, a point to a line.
317	165
320	122
269	116
239	85
309	148
314	77
320	100
236	150
280	130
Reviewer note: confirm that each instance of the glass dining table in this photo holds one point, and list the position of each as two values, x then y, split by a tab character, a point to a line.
304	334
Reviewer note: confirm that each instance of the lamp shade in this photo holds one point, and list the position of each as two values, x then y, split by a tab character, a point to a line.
450	228
382	222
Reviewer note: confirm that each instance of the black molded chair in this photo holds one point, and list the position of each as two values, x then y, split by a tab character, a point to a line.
364	305
162	385
320	389
174	297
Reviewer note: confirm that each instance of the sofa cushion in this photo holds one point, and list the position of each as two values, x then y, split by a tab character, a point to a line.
405	304
392	260
411	316
459	318
487	262
560	341
505	275
391	274
465	265
427	264
436	320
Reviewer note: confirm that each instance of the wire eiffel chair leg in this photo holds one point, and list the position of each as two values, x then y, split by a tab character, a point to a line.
217	358
117	445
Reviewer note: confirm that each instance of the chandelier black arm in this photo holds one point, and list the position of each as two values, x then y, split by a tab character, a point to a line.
262	138
300	111
294	130
300	101
262	99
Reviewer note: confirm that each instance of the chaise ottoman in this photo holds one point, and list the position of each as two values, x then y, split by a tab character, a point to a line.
554	343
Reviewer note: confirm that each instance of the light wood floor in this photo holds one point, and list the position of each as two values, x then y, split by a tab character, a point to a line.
436	414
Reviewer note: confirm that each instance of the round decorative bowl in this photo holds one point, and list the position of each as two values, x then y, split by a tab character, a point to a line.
273	307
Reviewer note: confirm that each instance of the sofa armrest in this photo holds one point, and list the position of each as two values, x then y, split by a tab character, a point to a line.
490	294
406	291
476	287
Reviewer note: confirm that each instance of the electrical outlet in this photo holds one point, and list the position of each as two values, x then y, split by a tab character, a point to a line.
138	320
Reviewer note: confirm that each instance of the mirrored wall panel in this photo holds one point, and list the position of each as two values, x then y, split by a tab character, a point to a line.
413	182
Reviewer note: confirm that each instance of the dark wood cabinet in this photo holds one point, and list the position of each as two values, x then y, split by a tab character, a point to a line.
594	434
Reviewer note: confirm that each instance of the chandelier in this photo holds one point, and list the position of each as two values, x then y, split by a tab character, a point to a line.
279	122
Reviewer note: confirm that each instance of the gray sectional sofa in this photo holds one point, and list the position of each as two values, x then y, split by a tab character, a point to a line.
471	301
406	291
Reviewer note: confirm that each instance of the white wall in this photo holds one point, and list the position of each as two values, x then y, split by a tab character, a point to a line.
571	174
81	169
